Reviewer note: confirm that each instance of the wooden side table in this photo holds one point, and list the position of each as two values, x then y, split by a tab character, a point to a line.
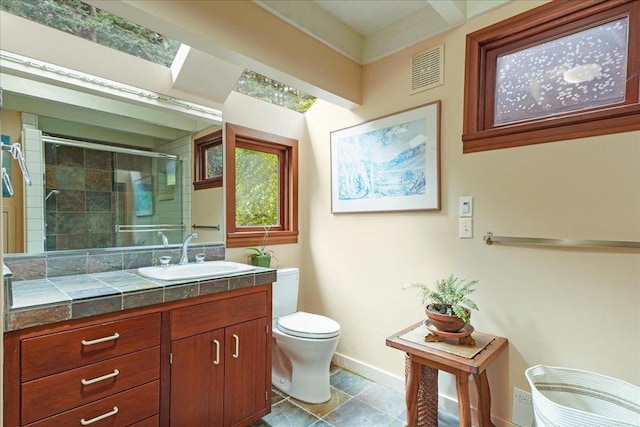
421	359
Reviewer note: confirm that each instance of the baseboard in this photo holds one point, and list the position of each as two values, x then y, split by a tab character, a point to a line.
368	371
445	403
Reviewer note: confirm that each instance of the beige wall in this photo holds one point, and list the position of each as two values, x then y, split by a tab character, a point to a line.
568	307
207	205
13	207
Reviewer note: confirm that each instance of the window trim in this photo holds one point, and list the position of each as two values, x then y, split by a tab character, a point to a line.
552	20
239	136
200	147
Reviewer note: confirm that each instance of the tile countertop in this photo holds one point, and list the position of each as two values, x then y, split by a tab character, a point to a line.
43	301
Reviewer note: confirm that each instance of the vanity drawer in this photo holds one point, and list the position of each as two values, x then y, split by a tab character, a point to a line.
53	394
119	410
58	352
205	317
149	422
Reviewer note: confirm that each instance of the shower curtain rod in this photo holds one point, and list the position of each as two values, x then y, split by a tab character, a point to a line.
105	147
490	239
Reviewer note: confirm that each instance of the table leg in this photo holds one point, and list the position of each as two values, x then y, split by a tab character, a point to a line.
412	373
464	403
484	399
421	394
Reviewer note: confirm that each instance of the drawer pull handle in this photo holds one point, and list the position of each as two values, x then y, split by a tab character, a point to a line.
217	360
99	340
237	341
102	378
99	417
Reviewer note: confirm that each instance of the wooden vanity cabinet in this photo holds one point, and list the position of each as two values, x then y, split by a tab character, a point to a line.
88	374
220	367
204	361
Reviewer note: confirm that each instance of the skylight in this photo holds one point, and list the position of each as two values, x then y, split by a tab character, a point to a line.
96	25
261	87
86	21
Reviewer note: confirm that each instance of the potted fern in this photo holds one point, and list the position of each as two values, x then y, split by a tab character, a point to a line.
448	307
261	256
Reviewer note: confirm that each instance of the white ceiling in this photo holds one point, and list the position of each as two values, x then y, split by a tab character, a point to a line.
368	30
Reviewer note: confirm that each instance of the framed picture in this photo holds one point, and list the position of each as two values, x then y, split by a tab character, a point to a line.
563	70
391	163
167	179
143	196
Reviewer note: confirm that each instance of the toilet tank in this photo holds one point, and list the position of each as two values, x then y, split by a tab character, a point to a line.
285	292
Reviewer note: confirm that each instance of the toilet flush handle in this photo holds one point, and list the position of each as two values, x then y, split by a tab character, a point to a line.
237	341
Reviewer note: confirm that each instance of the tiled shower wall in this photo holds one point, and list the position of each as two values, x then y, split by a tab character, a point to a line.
34	193
182	148
82	214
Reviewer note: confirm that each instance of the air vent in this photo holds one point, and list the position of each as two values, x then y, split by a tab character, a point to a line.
427	69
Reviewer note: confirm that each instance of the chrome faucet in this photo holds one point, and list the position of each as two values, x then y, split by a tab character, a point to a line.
184	259
165	241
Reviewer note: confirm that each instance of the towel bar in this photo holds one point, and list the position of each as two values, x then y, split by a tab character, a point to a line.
490	239
212	227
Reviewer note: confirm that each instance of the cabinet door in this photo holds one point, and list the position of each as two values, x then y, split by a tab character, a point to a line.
197	380
246	392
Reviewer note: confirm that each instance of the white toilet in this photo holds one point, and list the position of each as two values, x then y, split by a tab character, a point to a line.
303	343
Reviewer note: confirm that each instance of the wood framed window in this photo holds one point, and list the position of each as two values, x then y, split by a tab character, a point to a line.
208	163
564	70
261	173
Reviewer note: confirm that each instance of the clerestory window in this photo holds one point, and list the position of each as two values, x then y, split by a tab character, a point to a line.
96	25
266	89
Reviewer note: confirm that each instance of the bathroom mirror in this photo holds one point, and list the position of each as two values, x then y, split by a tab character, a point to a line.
152	166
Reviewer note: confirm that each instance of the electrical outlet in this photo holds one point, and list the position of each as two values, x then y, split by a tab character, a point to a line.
522	413
465	228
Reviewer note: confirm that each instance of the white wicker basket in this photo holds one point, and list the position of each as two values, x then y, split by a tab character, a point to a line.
572	398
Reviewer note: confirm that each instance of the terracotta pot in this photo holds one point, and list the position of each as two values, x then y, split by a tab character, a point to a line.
444	322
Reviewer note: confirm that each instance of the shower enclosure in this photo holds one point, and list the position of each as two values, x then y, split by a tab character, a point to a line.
101	196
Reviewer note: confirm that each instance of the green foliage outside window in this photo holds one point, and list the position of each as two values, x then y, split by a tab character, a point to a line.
258	86
256	188
214	161
86	21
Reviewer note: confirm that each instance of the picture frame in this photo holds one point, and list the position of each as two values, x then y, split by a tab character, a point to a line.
391	163
563	70
167	180
143	196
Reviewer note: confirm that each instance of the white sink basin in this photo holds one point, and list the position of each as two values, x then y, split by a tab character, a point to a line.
195	270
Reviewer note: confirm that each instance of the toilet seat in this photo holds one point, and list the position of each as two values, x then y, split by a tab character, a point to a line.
307	325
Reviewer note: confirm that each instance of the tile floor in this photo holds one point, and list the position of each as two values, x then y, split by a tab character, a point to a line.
355	401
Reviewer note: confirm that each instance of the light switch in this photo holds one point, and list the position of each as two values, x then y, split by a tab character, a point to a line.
465	208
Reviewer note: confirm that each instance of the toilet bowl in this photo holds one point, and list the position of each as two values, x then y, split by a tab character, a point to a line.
303	344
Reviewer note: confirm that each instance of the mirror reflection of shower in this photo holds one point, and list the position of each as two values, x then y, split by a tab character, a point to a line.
51	193
111	195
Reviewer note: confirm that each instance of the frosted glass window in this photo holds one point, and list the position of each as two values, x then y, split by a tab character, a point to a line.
579	71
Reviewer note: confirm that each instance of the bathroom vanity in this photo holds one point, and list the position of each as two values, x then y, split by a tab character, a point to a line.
199	356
